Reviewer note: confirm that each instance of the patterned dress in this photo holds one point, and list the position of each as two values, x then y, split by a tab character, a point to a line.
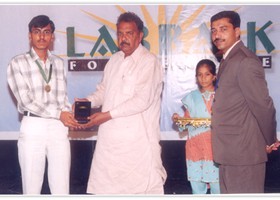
199	158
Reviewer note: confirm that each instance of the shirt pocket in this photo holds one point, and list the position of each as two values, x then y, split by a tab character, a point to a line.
128	85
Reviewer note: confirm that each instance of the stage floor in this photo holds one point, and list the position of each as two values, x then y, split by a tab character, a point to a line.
173	155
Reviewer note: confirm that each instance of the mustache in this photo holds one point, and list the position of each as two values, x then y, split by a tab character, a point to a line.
122	43
218	39
41	40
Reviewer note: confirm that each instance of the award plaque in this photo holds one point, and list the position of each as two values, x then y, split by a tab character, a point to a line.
82	111
194	122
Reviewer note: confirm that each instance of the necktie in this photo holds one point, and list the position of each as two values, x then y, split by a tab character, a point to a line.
221	68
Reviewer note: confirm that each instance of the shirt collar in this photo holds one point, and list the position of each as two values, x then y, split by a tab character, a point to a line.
136	54
227	52
35	56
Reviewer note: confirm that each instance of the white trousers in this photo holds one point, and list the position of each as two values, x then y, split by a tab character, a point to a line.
40	139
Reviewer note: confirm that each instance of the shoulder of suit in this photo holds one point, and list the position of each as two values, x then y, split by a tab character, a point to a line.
247	52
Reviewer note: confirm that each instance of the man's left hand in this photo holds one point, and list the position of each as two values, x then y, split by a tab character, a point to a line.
97	119
273	147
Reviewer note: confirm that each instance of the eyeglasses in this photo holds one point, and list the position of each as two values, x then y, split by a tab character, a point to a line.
39	32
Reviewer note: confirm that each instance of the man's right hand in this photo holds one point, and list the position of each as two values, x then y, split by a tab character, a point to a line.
68	120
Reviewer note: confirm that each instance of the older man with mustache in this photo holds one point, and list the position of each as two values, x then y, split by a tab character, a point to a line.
127	157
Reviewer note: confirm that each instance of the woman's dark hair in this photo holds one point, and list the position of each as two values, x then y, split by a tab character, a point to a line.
131	17
41	21
209	64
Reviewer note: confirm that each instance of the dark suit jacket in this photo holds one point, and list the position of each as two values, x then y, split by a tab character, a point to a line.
243	119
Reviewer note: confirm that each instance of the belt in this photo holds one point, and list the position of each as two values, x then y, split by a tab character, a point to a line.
27	113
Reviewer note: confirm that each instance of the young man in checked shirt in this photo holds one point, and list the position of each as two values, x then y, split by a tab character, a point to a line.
38	82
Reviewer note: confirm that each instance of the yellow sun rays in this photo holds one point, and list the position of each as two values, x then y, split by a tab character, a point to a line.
188	37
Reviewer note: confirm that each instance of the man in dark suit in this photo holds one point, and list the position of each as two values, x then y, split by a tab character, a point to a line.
243	118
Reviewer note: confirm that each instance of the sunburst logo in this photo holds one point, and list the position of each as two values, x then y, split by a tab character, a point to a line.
153	30
161	37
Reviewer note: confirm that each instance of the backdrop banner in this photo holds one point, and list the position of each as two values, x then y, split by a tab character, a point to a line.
85	37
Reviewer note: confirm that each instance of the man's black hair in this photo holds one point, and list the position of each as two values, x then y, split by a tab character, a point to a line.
41	21
131	17
233	17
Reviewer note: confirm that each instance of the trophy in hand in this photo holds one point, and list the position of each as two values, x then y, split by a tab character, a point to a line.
182	122
82	111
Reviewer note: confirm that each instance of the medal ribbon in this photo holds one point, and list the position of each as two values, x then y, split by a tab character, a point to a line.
43	73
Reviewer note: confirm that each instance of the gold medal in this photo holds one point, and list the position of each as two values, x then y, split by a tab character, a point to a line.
47	79
47	88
